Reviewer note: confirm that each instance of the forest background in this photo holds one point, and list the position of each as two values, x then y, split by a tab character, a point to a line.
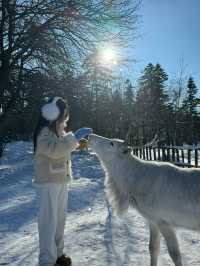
79	50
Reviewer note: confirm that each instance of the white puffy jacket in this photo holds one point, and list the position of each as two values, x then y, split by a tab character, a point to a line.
53	157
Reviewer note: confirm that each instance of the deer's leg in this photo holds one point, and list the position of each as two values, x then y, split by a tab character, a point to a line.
154	244
172	243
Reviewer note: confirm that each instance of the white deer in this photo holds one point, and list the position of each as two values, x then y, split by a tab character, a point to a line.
166	195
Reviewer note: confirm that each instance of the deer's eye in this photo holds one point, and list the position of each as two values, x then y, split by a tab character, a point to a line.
111	143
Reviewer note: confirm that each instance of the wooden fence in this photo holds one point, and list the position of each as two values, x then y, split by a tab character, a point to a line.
184	157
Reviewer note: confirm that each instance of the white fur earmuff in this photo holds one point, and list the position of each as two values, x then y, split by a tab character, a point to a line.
50	110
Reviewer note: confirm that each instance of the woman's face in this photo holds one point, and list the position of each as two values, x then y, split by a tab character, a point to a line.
65	113
62	122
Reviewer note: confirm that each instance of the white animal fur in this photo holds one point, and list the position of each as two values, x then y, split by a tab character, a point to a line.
167	196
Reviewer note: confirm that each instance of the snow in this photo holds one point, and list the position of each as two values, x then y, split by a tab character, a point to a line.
93	236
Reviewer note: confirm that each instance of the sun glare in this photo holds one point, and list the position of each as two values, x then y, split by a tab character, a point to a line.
108	56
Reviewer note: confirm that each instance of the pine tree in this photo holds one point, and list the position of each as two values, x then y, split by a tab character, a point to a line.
128	104
151	100
189	108
191	101
128	94
115	115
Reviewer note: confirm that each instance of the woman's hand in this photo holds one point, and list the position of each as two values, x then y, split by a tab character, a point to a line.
82	132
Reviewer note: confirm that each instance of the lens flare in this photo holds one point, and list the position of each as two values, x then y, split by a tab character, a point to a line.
107	56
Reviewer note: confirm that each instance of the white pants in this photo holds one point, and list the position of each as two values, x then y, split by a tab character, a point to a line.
52	200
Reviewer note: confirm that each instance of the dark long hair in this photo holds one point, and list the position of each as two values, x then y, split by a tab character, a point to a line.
42	122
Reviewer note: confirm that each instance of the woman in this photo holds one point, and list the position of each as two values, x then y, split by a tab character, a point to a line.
53	147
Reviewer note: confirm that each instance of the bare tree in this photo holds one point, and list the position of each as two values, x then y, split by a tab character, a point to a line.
177	90
52	35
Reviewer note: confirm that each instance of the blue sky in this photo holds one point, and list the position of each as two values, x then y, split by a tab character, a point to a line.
170	33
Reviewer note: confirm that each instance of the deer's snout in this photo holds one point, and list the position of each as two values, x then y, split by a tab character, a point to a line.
96	140
91	139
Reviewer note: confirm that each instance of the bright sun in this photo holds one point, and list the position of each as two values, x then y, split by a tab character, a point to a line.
108	56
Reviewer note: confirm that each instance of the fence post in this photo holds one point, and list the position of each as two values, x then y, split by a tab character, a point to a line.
159	153
177	155
164	157
173	154
147	153
196	158
140	151
182	155
189	157
168	154
154	154
150	156
143	153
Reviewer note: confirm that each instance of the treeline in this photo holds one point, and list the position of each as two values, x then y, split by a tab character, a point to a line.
150	105
43	44
110	105
49	48
170	111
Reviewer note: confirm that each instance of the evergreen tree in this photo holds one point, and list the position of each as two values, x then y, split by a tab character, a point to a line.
128	93
128	104
191	101
189	108
151	101
116	114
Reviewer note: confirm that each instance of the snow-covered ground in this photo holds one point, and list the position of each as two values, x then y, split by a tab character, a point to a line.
92	237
